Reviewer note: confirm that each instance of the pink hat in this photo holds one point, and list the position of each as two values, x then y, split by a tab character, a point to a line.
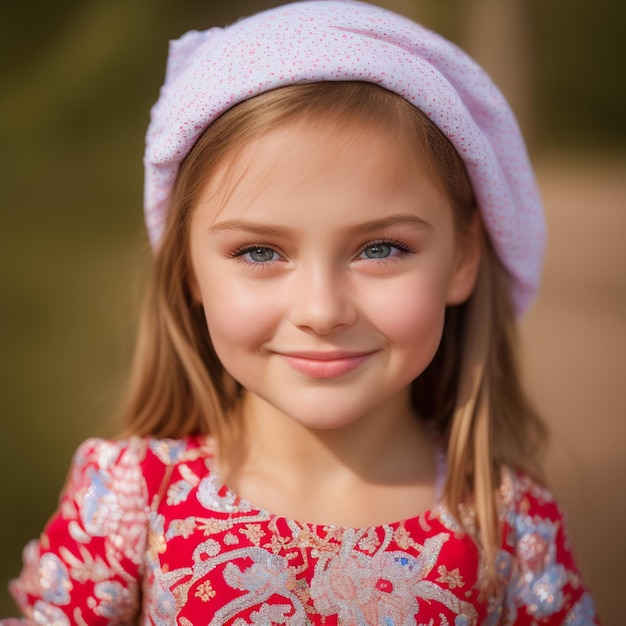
208	72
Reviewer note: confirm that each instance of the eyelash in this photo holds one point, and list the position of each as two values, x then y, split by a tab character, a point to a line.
401	247
240	252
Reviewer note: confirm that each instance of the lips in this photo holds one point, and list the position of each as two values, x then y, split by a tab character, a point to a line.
325	365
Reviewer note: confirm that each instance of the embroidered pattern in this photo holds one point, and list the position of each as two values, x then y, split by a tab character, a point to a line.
152	515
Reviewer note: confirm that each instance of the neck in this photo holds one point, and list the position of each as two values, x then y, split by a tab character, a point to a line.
385	454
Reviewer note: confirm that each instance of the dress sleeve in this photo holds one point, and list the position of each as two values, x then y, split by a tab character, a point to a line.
544	583
86	567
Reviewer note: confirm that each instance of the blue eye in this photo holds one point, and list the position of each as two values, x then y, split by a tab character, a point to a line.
257	254
381	250
261	255
378	251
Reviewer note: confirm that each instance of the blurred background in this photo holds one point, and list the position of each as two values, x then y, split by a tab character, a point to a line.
78	79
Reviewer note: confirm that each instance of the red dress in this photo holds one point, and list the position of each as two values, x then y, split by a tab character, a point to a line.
146	534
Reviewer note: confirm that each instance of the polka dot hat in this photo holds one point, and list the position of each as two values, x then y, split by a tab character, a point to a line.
210	71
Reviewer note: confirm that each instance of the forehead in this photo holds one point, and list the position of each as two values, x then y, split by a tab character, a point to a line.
330	106
316	166
310	147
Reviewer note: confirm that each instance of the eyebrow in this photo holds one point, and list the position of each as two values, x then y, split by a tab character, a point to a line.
365	227
395	219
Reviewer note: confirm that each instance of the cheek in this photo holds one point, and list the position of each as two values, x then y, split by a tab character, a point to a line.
411	316
418	323
236	316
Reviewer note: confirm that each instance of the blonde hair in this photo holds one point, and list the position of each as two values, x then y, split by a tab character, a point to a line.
471	391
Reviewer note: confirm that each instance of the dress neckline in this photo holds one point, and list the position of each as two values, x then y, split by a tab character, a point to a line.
233	502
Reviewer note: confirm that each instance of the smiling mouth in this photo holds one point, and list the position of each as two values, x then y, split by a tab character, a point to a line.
321	365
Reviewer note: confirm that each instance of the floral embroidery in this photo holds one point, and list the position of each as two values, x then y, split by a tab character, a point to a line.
205	591
148	521
53	569
370	542
47	614
181	528
582	614
347	586
178	492
451	578
110	596
212	527
403	538
253	532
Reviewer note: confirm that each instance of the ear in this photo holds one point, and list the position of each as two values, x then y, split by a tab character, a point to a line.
467	261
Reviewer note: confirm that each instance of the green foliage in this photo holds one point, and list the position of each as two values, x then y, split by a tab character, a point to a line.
580	51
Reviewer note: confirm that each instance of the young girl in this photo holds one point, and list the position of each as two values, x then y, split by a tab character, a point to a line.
325	422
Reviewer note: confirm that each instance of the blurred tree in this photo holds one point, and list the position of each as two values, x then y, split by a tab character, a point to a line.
581	92
499	35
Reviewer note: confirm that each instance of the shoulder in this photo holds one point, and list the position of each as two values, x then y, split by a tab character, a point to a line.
111	452
104	455
89	560
533	521
140	461
536	561
524	498
111	485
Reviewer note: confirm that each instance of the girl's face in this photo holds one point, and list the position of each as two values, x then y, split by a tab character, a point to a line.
324	259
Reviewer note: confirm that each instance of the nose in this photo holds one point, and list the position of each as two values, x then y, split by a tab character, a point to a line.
322	300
